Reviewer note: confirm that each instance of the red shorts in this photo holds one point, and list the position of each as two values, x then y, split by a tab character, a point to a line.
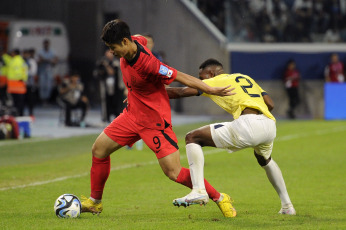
124	131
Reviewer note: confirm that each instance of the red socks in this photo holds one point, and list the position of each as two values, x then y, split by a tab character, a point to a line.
185	179
99	173
100	170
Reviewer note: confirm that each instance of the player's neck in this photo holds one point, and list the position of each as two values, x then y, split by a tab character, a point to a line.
132	52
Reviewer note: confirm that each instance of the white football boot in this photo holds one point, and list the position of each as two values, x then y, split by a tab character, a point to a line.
288	211
194	197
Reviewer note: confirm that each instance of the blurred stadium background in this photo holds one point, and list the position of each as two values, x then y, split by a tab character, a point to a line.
254	37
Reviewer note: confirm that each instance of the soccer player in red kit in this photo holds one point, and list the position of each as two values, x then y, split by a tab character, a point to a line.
147	115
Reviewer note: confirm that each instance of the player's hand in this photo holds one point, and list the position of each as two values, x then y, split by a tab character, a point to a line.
222	91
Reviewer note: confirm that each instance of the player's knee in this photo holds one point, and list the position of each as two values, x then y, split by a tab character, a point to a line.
172	174
192	137
261	160
97	151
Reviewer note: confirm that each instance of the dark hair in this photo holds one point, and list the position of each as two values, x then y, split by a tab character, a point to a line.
74	72
290	61
32	51
115	31
210	62
16	51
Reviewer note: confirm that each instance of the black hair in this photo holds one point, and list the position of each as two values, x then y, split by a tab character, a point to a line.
115	31
74	72
290	61
32	51
210	62
16	51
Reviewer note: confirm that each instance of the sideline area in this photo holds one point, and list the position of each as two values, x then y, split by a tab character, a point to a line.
47	123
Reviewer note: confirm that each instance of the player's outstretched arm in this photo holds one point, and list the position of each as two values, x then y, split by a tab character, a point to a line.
178	92
200	85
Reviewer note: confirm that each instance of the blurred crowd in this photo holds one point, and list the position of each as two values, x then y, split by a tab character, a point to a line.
27	79
278	20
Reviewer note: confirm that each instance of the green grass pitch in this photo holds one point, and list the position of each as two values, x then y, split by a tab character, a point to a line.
311	155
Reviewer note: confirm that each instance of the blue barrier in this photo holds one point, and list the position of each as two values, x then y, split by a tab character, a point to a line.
334	101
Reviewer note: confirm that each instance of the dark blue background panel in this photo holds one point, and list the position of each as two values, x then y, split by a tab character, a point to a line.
271	65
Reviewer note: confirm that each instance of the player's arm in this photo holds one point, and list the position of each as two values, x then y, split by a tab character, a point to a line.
178	92
200	85
269	102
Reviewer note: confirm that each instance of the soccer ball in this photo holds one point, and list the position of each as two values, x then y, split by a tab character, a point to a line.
67	206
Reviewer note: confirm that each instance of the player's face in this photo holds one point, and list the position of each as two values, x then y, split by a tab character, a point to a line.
118	50
335	58
206	73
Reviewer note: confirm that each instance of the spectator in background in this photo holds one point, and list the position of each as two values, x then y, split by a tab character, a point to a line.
3	77
335	12
291	79
71	92
29	55
332	36
334	71
111	86
17	75
277	12
320	18
46	60
151	45
303	10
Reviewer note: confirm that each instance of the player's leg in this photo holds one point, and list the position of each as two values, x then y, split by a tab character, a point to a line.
195	140
164	144
119	133
276	179
99	172
172	168
263	156
101	150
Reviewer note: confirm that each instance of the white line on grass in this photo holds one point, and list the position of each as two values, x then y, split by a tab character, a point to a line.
127	166
208	152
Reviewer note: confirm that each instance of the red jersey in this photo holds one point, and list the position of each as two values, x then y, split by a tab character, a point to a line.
335	71
291	78
145	78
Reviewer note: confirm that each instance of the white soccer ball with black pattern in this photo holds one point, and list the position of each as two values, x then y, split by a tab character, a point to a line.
67	206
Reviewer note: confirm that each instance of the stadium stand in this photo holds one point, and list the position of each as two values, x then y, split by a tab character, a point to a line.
278	20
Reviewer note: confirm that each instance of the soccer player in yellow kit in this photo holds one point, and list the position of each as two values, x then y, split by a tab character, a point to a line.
253	127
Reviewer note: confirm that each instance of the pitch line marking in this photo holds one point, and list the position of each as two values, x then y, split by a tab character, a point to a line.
208	152
121	167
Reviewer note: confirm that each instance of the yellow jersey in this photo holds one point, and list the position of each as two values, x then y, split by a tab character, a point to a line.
248	94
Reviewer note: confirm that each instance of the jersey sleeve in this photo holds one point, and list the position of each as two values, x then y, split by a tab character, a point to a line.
154	71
